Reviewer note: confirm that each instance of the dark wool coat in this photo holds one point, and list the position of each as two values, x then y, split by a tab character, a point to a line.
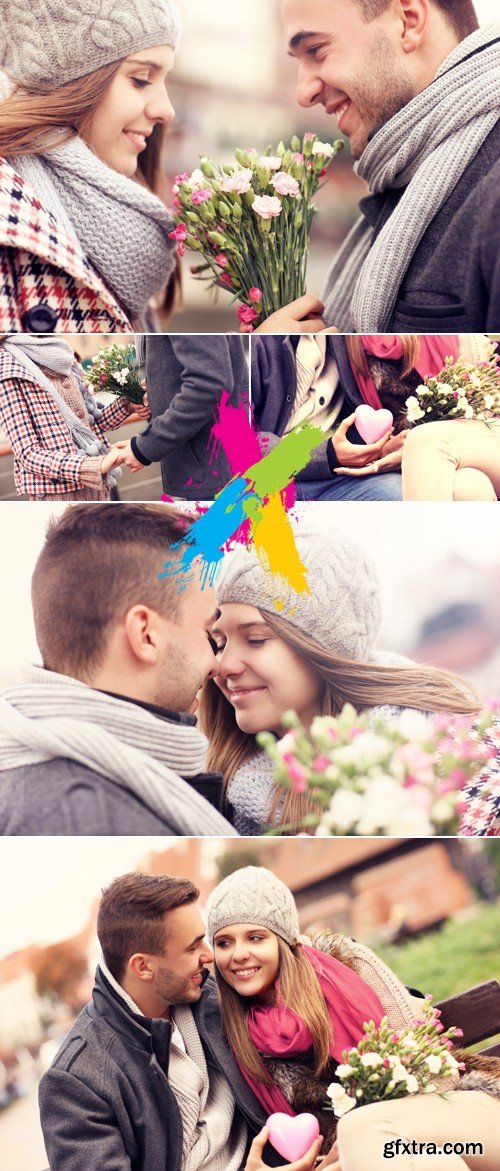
106	1103
47	285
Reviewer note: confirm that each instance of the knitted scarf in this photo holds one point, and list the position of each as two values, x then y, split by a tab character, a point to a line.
430	360
278	1031
32	352
425	148
52	716
121	226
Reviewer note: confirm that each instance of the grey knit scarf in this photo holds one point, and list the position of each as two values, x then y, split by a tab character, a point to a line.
121	226
425	147
32	352
52	716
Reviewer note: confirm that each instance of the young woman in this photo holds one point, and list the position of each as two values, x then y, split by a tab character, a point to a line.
55	427
84	240
449	460
312	656
289	1010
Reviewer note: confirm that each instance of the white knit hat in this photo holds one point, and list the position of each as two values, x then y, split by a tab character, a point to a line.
253	895
56	41
341	611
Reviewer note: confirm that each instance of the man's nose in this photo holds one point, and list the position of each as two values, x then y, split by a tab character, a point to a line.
309	87
207	955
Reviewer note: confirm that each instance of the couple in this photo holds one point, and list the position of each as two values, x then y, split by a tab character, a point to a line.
104	739
168	1068
57	429
322	379
84	234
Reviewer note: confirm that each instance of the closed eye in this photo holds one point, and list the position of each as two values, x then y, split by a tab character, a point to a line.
140	82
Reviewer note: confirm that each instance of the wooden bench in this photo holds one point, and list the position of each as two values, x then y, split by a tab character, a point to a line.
477	1012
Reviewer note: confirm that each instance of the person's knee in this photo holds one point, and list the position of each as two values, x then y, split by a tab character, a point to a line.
471	484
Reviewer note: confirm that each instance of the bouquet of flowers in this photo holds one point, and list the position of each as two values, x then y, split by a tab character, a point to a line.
251	222
371	774
113	368
463	390
389	1064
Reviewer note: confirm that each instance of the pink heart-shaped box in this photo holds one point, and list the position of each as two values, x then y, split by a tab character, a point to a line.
292	1137
372	425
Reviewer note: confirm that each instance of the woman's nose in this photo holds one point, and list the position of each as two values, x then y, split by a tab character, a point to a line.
230	662
160	108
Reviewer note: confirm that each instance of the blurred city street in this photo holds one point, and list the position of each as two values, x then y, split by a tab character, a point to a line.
21	1137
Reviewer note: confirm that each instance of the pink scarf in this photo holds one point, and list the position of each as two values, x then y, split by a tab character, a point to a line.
279	1032
433	351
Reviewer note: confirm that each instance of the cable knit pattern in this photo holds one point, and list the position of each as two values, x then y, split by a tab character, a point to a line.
53	43
341	609
52	716
120	225
253	895
425	147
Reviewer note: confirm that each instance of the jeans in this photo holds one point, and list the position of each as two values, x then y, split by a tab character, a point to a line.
386	486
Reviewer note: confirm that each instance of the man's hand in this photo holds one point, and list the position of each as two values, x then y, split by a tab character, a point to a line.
355	455
388	463
144	411
125	455
301	316
255	1163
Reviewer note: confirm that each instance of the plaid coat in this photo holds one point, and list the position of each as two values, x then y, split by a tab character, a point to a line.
46	282
46	461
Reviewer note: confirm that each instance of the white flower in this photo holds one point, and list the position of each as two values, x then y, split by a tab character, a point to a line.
271	161
413	726
474	379
433	1062
469	412
344	1106
430	1089
323	148
399	1073
288	743
121	375
412	1085
462	403
371	1060
344	1071
197	179
413	409
451	1061
410	822
345	809
411	1044
335	1092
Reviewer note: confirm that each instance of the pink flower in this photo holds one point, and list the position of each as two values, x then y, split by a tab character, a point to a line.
239	182
285	184
222	260
179	233
297	158
201	195
181	248
182	178
247	315
267	206
176	202
103	378
274	163
308	135
226	281
320	763
296	772
255	294
459	1032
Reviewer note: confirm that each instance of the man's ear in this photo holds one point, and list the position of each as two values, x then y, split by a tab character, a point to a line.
415	15
139	965
142	631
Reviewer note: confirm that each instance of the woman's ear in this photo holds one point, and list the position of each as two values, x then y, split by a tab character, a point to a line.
143	634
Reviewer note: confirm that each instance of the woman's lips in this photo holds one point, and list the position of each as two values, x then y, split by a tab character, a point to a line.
245	973
139	141
238	696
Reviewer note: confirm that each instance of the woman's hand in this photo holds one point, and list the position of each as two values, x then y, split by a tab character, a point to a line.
388	463
330	1161
141	412
395	443
300	316
355	455
255	1162
110	460
125	455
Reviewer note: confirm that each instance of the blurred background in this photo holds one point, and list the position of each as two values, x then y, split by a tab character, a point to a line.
430	908
439	567
234	85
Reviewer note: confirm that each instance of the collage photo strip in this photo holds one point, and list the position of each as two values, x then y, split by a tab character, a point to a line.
250	621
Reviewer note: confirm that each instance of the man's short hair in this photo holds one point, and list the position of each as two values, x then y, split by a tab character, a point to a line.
132	916
460	14
98	560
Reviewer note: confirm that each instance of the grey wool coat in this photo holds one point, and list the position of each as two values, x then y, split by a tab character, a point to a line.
106	1102
185	378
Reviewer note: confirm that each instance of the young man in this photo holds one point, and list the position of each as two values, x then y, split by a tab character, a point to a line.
144	1079
103	738
413	84
185	379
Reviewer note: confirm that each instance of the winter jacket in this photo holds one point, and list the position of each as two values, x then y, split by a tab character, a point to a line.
106	1103
46	461
452	284
274	389
47	285
185	378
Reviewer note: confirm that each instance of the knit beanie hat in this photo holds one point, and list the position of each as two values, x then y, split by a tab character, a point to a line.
56	41
341	611
253	895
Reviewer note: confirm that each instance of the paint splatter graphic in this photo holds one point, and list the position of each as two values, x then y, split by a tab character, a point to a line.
253	507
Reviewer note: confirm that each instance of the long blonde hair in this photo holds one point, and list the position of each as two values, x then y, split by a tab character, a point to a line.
299	990
357	355
365	685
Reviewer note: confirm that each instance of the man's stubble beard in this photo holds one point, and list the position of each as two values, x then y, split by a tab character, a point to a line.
379	92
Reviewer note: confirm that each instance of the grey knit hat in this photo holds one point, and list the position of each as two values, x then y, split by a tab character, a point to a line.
253	895
56	41
341	611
